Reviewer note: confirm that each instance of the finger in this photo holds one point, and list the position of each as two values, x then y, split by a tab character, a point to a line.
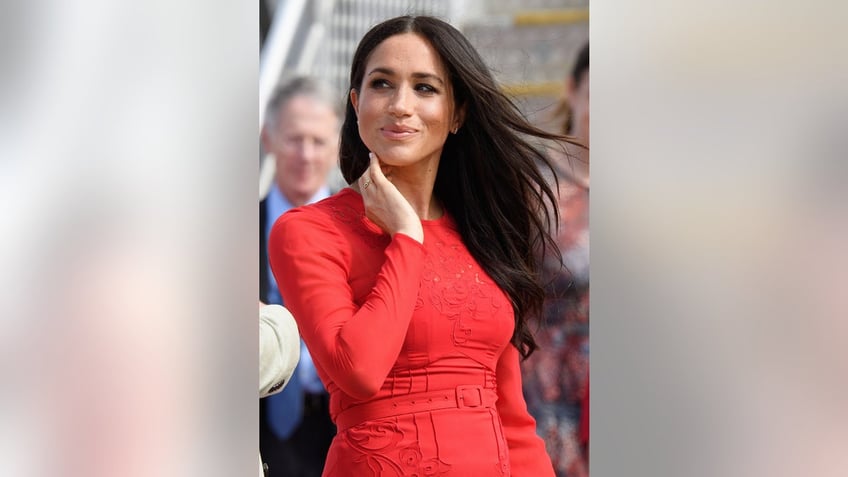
385	169
364	180
375	167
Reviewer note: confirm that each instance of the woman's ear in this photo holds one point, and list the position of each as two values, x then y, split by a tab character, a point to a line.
354	100
458	119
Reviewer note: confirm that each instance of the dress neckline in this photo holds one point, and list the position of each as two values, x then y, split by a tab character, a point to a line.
356	197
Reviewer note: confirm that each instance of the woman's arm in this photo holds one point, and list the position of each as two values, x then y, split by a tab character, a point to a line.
527	453
356	346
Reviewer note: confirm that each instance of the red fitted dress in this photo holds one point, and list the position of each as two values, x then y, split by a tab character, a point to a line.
412	342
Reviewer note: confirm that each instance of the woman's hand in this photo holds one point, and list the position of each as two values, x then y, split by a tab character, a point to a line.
385	205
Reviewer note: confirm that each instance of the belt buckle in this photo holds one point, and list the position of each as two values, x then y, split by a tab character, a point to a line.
469	396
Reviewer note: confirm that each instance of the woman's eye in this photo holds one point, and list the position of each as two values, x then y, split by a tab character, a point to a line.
425	88
379	83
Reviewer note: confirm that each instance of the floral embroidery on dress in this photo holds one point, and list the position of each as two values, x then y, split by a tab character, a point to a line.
416	466
373	441
455	294
431	467
411	457
373	436
356	221
378	447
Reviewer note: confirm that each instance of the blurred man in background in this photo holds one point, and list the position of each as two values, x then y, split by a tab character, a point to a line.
301	132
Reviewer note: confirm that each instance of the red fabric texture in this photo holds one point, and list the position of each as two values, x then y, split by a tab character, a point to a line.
387	318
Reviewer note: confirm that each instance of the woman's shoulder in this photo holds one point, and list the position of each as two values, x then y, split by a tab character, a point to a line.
331	215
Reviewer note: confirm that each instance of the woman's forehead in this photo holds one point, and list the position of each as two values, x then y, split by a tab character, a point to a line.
409	52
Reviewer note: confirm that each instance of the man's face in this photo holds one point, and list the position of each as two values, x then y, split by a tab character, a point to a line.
305	143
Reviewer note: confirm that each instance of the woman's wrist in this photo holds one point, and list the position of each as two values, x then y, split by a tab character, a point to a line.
415	233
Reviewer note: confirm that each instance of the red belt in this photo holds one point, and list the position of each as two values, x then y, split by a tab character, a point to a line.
461	397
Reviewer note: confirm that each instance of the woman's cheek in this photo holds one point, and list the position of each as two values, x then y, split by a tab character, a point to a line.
363	134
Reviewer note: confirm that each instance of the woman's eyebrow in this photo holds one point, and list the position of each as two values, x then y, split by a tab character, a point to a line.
391	72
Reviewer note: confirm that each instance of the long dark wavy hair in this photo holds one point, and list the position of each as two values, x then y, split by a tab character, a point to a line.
489	178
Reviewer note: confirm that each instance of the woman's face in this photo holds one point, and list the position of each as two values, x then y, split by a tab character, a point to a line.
405	106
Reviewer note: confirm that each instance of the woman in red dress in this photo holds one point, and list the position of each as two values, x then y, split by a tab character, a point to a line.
413	287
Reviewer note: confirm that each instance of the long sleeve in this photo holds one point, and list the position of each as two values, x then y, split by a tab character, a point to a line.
527	454
279	348
355	346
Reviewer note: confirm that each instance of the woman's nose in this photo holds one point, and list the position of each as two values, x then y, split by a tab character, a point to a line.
401	103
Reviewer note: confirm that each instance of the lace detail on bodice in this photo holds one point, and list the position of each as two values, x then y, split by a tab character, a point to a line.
459	290
355	221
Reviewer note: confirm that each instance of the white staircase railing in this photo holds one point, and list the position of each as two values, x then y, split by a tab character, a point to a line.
272	58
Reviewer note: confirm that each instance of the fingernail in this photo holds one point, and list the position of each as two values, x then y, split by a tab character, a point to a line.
370	155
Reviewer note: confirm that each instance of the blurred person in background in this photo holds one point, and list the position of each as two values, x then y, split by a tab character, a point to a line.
571	114
415	288
556	377
301	131
279	351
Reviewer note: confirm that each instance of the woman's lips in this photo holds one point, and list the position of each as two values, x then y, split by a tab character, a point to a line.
397	133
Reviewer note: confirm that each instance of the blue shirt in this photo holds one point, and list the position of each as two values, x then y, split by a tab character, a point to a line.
276	205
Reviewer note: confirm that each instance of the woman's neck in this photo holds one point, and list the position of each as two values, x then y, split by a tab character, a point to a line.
416	185
421	198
